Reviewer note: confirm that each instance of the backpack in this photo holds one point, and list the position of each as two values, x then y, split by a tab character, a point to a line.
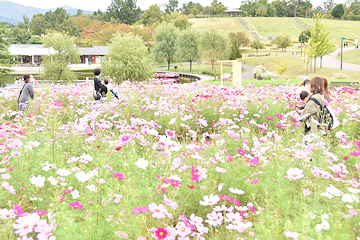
325	116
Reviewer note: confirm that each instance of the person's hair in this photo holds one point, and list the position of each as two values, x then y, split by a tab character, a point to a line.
326	89
27	78
306	81
317	85
106	81
304	94
97	71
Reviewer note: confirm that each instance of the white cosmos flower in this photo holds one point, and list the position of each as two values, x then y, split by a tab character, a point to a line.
91	187
38	181
82	176
325	225
63	172
236	191
75	194
210	200
52	180
142	163
324	217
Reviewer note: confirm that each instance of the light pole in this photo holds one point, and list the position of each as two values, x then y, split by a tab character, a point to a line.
342	38
302	41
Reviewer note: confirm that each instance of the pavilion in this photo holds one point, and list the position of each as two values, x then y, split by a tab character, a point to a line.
235	11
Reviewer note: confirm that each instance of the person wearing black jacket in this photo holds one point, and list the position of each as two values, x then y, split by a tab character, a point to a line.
98	86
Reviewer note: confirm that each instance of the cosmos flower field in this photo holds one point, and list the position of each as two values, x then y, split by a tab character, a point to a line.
177	161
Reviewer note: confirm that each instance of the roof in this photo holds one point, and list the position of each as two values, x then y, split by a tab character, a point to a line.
38	49
96	50
233	10
29	49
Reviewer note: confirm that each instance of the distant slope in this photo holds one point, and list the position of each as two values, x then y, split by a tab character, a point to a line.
338	28
13	12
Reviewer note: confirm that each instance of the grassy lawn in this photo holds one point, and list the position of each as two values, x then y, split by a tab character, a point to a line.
338	29
264	82
297	67
276	27
225	24
351	57
198	68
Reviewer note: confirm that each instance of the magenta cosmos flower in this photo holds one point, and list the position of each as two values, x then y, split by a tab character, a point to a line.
17	210
76	205
170	133
294	173
125	138
119	175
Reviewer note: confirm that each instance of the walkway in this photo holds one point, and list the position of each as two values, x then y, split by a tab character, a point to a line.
247	75
331	61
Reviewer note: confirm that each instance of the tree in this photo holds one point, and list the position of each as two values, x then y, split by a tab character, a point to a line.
306	37
165	43
240	37
282	67
181	22
320	38
235	51
79	12
213	45
220	9
188	45
39	25
310	51
152	15
65	53
338	11
35	39
282	42
172	6
20	35
127	58
5	58
262	10
257	44
208	10
124	11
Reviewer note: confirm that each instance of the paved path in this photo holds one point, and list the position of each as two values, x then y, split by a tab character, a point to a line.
331	61
247	75
301	24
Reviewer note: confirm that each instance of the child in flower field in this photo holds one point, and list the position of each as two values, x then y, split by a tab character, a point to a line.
305	86
98	87
110	87
299	106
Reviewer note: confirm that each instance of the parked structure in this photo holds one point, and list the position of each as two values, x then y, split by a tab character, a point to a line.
32	54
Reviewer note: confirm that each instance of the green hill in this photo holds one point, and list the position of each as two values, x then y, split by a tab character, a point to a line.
270	26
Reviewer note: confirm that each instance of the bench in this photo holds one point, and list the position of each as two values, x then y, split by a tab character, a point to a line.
258	55
341	84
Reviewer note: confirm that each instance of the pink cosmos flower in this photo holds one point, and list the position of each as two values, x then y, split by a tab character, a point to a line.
220	187
17	210
194	220
157	210
76	205
214	219
353	212
40	212
119	175
161	233
16	154
292	235
294	173
175	183
255	181
241	151
220	170
125	138
172	121
170	133
24	225
170	203
306	192
195	174
182	230
7	186
191	186
91	203
315	171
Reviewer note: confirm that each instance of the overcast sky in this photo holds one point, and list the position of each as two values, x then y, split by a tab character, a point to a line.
93	5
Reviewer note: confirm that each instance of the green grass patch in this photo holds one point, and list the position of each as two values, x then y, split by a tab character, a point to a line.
351	57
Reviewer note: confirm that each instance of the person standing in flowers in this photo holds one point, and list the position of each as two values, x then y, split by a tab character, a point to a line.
99	88
312	110
26	92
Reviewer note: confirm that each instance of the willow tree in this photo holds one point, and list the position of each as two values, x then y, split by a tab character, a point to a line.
188	45
165	43
127	58
62	53
213	45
